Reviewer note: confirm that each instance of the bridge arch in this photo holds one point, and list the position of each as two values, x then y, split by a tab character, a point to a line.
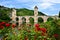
31	20
40	20
23	20
17	19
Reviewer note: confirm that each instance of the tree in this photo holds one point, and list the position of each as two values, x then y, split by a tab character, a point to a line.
50	19
31	20
4	17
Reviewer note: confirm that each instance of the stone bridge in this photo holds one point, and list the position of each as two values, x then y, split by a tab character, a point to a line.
35	17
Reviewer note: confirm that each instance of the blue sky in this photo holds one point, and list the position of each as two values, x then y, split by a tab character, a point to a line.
48	7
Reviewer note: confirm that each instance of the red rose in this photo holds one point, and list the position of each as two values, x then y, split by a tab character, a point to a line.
2	23
1	27
7	24
43	30
36	25
38	29
55	35
13	25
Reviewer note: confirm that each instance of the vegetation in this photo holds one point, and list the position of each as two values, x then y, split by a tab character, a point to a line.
31	20
49	30
43	31
27	12
50	19
40	20
4	14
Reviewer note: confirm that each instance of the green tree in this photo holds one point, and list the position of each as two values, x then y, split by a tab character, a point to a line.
50	19
31	20
59	14
4	17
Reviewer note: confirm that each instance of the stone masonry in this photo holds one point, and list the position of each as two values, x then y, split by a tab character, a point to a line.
27	17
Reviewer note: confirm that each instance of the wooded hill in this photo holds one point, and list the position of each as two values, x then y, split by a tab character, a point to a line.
20	12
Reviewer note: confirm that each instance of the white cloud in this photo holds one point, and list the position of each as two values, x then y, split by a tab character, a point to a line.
43	4
55	1
46	5
52	1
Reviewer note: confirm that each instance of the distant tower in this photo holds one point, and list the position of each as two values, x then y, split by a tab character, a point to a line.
35	11
14	15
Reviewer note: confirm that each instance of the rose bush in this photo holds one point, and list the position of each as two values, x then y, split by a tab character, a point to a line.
5	28
29	32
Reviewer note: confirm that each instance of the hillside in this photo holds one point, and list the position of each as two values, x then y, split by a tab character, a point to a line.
20	12
5	10
4	14
26	12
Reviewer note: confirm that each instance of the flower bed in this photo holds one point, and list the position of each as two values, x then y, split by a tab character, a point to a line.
27	32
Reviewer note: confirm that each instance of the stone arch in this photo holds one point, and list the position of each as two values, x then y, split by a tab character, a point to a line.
31	20
17	19
23	20
40	20
50	19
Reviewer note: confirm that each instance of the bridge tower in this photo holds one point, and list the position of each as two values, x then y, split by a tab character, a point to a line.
13	16
35	14
35	11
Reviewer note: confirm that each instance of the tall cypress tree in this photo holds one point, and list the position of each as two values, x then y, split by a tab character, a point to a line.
59	14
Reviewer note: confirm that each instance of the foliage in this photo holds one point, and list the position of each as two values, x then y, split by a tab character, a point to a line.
42	31
59	14
46	31
5	17
40	20
31	20
4	13
50	19
26	12
5	29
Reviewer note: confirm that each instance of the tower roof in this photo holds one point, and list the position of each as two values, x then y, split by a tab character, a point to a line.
36	7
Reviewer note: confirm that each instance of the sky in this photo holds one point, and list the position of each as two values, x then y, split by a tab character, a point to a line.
48	7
